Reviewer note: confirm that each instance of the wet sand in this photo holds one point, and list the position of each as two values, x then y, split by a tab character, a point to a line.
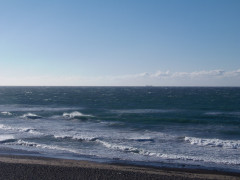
25	167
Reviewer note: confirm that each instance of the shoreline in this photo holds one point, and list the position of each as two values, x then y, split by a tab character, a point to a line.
31	167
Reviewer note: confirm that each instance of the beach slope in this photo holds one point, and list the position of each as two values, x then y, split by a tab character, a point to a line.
25	167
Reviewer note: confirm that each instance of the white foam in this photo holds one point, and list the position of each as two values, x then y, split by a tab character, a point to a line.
6	113
196	158
167	156
118	147
233	144
2	126
45	146
76	137
6	137
20	129
31	116
31	131
61	136
75	114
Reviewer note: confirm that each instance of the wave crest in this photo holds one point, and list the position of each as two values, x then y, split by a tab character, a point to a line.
6	138
45	146
20	129
76	114
129	149
6	113
76	137
119	147
31	116
233	144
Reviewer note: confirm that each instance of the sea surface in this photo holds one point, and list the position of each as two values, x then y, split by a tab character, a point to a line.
191	127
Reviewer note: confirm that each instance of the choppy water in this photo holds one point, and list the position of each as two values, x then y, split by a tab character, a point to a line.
161	126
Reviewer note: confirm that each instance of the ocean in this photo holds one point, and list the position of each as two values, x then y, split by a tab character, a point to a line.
186	127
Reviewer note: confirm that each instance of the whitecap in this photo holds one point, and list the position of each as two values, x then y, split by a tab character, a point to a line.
21	129
4	127
6	113
31	131
119	147
194	158
75	114
129	149
76	137
233	144
31	116
6	138
44	146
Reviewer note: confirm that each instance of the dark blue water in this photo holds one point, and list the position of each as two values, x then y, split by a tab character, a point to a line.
162	126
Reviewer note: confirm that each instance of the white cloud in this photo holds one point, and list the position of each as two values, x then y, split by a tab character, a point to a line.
233	73
207	73
161	74
212	73
159	78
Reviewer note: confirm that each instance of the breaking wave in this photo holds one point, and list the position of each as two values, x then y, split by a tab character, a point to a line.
44	146
129	149
232	144
81	137
31	116
6	138
6	113
76	137
119	147
76	114
20	129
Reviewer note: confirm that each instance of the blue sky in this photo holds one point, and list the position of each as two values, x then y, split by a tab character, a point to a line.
120	42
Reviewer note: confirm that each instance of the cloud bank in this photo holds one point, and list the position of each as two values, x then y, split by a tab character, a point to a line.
159	78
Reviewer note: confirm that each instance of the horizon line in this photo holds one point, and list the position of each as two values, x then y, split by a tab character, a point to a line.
116	86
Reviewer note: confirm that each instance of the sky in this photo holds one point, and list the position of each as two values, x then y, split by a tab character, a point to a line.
120	42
